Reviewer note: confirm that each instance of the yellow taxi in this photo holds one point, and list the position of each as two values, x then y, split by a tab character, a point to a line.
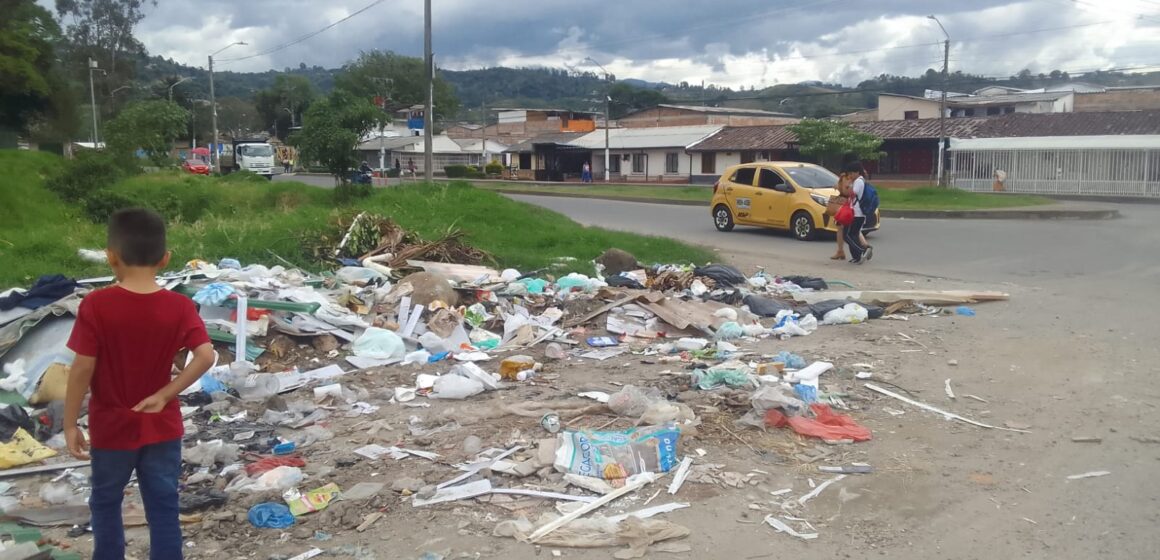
781	195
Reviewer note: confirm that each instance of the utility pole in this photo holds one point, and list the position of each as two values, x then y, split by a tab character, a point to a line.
93	100
942	107
429	110
607	119
482	136
214	156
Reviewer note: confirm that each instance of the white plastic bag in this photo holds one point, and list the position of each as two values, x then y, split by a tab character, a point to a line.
455	387
851	313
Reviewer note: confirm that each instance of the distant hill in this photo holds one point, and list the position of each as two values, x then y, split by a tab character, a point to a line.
561	89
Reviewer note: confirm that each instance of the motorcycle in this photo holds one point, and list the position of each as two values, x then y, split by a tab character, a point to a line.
359	177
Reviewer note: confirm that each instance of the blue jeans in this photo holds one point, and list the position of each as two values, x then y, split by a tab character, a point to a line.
158	468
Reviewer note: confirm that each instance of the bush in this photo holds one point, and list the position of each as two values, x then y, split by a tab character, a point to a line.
455	171
474	173
87	173
494	168
392	172
348	193
98	206
244	177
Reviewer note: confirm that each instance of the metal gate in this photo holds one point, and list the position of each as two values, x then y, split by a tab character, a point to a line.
1092	172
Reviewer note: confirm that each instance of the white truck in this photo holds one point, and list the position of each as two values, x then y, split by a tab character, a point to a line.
255	156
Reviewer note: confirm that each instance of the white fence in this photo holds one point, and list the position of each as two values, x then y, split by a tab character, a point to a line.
1088	171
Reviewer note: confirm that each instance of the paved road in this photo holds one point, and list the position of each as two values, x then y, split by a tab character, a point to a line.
324	181
1116	251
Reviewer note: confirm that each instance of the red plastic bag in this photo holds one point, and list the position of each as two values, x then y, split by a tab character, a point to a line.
829	425
270	463
845	215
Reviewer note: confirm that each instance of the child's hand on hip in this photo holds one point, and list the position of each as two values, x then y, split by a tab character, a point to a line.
151	405
78	447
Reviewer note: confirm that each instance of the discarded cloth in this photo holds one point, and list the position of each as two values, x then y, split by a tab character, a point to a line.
828	425
808	282
46	290
764	306
270	516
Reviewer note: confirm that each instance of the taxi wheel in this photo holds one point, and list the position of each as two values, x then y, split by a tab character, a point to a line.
802	226
723	218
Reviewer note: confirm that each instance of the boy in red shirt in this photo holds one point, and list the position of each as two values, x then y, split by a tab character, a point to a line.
125	339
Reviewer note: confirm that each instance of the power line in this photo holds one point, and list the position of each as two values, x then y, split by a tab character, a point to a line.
306	36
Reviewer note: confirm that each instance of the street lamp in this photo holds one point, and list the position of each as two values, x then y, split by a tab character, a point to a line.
174	84
942	107
607	119
93	99
214	163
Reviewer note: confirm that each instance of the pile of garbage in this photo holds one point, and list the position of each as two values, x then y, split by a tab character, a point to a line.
387	343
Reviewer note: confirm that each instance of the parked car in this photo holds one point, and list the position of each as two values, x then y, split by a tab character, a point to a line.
781	195
197	162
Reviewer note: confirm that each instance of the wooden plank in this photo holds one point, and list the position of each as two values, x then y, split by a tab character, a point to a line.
639	483
463	273
600	311
43	468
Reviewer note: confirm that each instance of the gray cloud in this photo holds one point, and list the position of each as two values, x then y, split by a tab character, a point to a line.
728	42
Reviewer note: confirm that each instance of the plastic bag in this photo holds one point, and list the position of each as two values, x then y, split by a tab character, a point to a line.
632	401
765	307
776	396
851	313
278	478
267	464
828	425
791	360
208	453
725	275
358	275
618	455
455	387
214	294
270	516
578	282
730	331
379	344
720	375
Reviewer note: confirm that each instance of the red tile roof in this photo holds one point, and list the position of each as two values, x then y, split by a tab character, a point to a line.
778	137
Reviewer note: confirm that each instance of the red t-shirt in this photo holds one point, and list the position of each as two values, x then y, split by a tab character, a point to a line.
134	338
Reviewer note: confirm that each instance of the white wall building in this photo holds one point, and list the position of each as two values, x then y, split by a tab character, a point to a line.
645	154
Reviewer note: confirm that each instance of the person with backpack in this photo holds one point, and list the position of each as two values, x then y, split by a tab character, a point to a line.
863	204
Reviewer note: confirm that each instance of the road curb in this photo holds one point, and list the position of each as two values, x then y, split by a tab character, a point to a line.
1009	214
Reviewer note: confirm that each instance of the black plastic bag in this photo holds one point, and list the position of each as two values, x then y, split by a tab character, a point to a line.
624	282
808	282
12	418
765	307
873	311
725	275
820	308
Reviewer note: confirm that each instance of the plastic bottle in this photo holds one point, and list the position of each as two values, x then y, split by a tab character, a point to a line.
511	366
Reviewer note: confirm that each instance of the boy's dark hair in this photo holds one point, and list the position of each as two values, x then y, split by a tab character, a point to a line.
853	167
137	235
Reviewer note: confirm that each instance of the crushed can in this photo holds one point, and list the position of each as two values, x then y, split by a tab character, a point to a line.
551	422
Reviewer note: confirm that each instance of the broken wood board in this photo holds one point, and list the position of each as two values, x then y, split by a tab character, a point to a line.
43	468
455	493
888	297
461	273
623	299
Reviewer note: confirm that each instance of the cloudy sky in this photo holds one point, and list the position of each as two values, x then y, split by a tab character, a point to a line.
736	43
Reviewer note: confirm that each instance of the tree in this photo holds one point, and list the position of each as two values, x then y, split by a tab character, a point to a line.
331	129
150	126
829	140
103	30
400	79
282	105
30	85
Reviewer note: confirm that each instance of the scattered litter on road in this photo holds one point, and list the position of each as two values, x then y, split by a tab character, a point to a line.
782	527
948	415
1092	474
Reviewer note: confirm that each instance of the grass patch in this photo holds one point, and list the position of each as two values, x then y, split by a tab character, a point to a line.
925	198
934	198
211	218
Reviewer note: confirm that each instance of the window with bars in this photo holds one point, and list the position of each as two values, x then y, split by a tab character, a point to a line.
672	163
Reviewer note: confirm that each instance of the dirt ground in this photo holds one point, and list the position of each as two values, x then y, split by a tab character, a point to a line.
940	488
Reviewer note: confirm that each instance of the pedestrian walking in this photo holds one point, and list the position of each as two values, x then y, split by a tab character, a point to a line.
586	173
411	166
860	250
398	168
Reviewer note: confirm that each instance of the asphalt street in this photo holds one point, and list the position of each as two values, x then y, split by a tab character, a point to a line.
1124	251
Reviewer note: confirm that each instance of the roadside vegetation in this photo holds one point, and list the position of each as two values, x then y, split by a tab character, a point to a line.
253	220
923	198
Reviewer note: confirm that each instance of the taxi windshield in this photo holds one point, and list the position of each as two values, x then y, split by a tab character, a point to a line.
811	177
